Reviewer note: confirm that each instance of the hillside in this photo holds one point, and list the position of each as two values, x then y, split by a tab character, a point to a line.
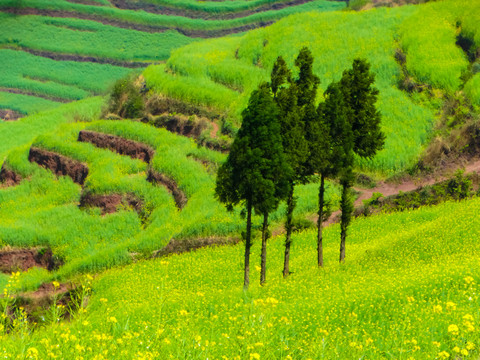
58	51
96	206
415	45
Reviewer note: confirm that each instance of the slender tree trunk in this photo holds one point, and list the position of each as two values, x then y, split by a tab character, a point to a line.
248	245
288	228
263	257
346	205
321	194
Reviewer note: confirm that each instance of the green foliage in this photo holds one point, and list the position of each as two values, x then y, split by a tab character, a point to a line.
472	89
125	99
360	100
255	169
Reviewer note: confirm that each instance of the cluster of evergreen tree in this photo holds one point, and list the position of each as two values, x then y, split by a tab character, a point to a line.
285	139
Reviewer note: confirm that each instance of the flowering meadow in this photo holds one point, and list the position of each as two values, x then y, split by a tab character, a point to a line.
408	290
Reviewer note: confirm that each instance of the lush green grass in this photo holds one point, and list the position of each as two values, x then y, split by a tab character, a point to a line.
59	79
91	38
25	104
432	55
409	289
241	63
472	89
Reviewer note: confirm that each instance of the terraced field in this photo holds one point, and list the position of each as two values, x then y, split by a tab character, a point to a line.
59	51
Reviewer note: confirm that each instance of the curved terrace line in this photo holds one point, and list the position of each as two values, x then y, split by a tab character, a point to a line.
202	14
135	150
81	58
31	93
193	33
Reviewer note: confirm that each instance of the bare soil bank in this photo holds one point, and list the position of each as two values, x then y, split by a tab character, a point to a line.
60	165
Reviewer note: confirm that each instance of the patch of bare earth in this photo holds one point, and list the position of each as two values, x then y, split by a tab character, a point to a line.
38	304
15	259
8	177
178	195
111	203
185	245
60	165
178	124
10	115
120	145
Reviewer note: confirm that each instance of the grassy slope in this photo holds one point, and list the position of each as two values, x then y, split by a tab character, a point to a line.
408	278
227	70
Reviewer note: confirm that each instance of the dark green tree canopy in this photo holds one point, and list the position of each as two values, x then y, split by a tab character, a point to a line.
307	82
361	96
280	75
255	169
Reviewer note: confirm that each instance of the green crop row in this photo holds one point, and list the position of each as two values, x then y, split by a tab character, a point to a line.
62	79
409	289
87	38
215	7
25	104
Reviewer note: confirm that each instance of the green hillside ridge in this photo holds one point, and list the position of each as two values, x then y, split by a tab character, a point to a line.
409	289
221	73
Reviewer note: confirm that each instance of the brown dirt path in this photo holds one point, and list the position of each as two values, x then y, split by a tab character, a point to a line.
214	132
31	93
409	184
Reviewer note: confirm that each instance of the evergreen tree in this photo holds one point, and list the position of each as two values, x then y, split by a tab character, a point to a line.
328	135
367	137
255	172
293	140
